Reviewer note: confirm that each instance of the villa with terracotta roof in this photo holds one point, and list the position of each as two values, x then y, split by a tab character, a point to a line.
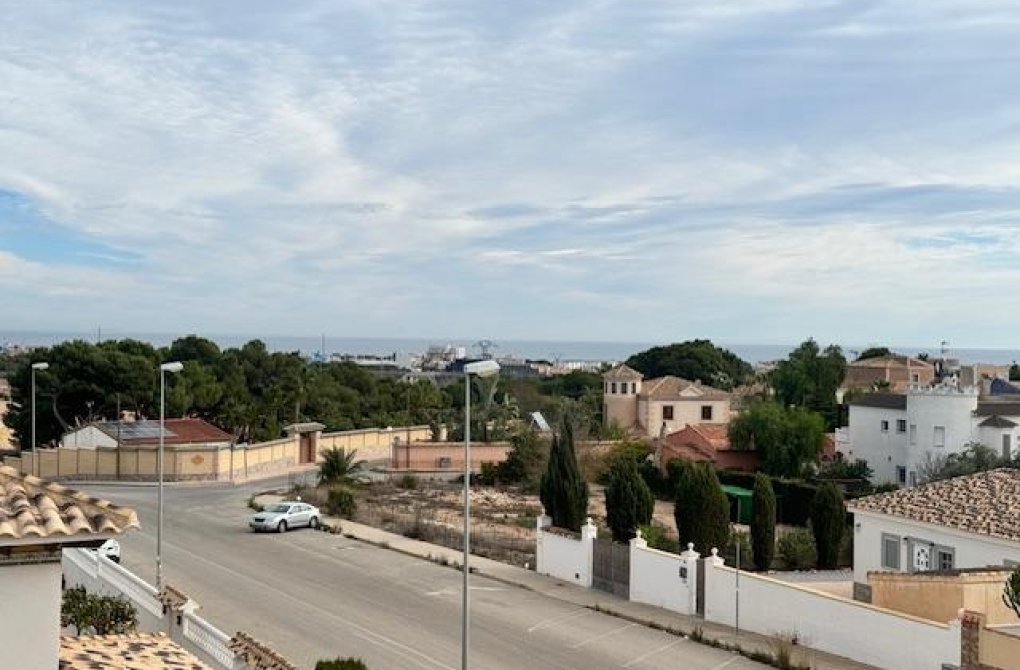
661	406
963	522
705	442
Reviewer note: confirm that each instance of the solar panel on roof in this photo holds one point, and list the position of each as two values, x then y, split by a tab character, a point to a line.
141	430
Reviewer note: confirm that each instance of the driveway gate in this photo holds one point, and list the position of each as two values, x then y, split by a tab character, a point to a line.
611	567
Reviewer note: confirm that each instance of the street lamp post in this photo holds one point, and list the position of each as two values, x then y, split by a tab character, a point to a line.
486	368
35	366
175	366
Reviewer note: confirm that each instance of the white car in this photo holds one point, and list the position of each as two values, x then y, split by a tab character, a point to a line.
110	549
285	515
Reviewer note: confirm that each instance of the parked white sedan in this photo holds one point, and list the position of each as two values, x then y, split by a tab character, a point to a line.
285	515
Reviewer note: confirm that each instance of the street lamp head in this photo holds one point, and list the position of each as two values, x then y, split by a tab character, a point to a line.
40	366
486	368
174	366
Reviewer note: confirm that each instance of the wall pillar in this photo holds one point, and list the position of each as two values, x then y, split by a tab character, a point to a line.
588	535
971	624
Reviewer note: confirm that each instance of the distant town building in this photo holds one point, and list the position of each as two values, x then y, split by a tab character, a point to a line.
661	406
890	373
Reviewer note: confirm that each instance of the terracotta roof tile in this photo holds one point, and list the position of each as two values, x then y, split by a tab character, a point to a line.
137	651
623	371
34	508
673	388
987	503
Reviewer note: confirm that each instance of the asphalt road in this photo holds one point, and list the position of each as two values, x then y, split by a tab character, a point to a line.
312	595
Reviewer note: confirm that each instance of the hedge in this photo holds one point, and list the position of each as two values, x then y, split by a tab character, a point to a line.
793	498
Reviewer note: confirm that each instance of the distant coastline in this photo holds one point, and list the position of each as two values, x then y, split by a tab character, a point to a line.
531	349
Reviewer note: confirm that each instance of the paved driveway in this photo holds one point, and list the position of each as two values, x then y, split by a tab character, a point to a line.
312	595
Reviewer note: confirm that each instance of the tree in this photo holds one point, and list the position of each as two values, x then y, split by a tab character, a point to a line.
523	464
763	522
809	378
338	465
629	501
974	458
694	360
874	352
563	492
786	438
1011	592
100	615
828	521
1014	372
702	511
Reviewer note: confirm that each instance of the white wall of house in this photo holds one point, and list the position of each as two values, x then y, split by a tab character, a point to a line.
656	577
87	437
564	557
918	542
686	411
1002	441
896	442
844	627
30	614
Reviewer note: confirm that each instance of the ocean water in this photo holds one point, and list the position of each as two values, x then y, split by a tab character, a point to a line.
534	349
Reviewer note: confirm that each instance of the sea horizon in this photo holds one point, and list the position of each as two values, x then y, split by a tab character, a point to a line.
565	350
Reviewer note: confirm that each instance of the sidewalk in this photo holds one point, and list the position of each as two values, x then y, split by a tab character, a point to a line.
639	613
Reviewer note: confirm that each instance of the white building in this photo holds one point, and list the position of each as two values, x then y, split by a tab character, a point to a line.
897	433
964	522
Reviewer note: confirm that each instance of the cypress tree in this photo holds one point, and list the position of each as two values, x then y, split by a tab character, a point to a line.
763	522
828	518
563	492
684	509
629	501
702	511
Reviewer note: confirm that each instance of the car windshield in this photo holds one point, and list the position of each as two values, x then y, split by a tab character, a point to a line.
279	508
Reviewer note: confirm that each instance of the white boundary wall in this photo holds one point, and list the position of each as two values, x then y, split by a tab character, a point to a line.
828	623
663	579
566	558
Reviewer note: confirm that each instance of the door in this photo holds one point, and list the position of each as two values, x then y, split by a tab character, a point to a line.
611	567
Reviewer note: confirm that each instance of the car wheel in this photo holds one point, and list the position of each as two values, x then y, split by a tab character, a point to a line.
313	523
281	527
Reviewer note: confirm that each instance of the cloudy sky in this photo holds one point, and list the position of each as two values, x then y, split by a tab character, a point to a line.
756	171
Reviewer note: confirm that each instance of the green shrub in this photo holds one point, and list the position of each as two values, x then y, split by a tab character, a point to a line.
341	502
487	475
657	538
763	522
797	549
341	664
408	482
828	521
100	615
629	502
339	465
746	553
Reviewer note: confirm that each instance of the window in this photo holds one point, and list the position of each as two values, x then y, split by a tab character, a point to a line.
706	412
633	387
913	433
915	377
901	474
913	478
667	412
901	425
890	551
939	438
1007	447
613	386
885	426
945	558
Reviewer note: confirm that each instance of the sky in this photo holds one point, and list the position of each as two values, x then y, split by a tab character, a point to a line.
758	171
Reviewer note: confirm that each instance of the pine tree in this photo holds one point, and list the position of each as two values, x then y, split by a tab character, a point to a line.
702	511
828	519
629	501
563	492
763	522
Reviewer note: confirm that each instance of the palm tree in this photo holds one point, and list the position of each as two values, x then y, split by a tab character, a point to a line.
338	465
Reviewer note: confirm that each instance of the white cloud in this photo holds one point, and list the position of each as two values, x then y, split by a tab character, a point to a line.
362	166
